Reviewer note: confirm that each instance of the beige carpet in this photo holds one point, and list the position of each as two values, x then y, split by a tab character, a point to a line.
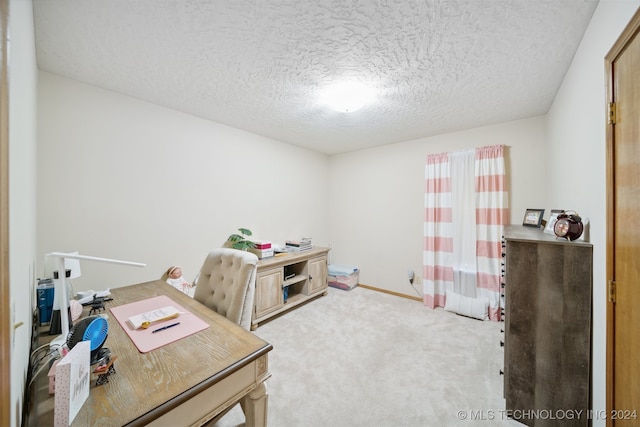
365	358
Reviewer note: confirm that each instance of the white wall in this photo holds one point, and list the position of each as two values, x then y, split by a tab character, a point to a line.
577	154
22	190
377	197
126	179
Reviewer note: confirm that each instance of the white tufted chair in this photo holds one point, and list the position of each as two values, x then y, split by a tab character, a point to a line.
226	284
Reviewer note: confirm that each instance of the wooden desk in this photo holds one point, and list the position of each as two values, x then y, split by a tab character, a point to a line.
188	382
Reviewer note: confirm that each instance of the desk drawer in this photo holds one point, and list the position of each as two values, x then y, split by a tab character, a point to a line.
220	396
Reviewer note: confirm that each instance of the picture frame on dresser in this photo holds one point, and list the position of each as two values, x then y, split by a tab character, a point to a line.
553	217
533	218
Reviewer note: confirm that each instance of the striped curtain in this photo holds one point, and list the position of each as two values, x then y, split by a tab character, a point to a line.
447	264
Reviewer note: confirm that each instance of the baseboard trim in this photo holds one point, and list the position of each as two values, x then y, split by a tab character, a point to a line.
385	291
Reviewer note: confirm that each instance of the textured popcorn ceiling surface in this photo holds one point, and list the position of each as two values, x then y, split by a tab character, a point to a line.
438	66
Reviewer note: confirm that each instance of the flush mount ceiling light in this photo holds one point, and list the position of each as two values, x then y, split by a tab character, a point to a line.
348	96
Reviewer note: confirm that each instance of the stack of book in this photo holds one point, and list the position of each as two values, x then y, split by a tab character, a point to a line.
301	245
263	249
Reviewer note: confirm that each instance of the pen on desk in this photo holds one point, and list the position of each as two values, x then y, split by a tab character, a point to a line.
165	327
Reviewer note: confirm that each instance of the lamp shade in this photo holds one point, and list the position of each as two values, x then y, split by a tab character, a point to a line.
347	96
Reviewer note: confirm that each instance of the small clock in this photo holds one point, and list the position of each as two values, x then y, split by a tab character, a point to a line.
568	226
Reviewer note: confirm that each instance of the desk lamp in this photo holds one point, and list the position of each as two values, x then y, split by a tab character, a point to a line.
61	288
72	271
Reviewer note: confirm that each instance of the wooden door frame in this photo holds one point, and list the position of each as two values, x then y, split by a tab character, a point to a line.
5	312
632	28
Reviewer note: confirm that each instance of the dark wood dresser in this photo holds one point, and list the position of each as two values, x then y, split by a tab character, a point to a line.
547	342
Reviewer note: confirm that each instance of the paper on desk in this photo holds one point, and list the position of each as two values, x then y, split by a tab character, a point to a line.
156	315
144	339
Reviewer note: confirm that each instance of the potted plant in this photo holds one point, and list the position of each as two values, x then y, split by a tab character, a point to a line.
239	240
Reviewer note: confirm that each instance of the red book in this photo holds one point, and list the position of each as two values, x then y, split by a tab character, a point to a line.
263	245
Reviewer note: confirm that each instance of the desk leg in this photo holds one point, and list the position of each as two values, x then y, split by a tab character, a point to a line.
254	406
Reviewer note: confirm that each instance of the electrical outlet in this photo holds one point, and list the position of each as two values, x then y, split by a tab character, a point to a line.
410	275
415	283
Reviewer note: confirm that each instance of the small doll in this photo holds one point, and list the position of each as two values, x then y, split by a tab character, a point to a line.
175	279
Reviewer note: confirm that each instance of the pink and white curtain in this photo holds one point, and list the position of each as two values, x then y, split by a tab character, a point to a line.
465	211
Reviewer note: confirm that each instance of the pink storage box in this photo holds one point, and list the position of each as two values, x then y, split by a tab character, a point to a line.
343	277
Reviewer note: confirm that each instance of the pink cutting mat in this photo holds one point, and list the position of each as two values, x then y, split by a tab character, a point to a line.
145	339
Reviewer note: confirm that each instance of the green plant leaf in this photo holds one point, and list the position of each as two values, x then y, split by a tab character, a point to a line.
243	245
239	240
245	231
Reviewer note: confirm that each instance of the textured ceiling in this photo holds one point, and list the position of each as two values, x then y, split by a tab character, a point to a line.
438	66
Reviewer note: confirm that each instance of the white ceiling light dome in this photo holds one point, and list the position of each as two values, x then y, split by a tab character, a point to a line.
347	96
